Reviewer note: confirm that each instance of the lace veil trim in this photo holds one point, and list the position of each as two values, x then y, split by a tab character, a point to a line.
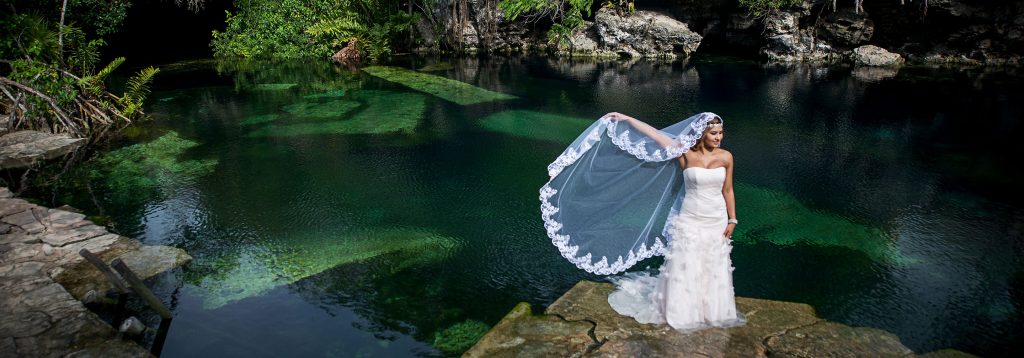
684	139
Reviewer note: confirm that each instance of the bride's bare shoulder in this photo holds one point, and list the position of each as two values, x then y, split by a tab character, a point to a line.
725	155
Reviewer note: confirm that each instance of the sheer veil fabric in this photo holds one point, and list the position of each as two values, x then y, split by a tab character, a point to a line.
610	194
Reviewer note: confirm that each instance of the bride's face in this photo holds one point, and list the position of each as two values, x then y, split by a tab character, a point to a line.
713	137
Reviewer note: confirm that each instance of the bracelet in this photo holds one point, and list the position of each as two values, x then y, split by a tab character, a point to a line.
734	221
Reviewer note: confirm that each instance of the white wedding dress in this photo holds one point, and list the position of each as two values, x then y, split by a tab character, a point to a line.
694	287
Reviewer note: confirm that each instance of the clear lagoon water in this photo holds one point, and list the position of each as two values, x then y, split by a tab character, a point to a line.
333	213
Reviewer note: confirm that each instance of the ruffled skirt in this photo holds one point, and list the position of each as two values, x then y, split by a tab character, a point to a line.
693	289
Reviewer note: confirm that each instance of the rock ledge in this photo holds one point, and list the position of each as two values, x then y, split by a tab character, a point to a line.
582	324
43	279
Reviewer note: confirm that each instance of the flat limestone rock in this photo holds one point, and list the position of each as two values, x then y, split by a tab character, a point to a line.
836	340
148	261
40	319
521	334
24	148
773	328
42	277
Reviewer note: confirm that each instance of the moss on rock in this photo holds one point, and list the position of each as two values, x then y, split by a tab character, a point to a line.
460	337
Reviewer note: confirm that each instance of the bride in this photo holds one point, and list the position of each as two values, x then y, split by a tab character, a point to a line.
607	197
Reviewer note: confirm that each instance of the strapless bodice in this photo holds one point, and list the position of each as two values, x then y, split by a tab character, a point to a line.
704	191
703	179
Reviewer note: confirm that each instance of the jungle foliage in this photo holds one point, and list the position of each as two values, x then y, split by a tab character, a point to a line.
52	79
566	15
314	28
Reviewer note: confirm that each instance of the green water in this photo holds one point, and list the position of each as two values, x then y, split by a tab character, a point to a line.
388	213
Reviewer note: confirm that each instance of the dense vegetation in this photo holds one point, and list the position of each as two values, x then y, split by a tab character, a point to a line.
313	28
51	78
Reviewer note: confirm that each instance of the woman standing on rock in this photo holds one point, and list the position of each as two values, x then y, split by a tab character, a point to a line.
625	191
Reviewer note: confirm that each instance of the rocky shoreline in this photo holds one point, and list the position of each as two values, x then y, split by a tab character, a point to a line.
582	324
44	282
937	32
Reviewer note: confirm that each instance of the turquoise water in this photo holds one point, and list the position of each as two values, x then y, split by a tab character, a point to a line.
334	213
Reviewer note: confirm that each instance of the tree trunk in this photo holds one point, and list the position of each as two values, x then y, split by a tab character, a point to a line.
60	33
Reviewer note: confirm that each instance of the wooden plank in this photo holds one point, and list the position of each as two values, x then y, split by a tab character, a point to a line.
141	289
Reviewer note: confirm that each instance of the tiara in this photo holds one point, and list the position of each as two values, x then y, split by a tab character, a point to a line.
714	124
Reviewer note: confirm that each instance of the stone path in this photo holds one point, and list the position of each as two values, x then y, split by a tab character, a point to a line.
582	324
24	148
43	279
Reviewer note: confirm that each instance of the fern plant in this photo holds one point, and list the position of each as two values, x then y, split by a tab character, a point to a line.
136	91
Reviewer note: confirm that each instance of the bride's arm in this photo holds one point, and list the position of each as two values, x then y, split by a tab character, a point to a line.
644	128
730	197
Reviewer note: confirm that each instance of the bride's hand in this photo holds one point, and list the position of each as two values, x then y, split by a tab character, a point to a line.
616	116
728	231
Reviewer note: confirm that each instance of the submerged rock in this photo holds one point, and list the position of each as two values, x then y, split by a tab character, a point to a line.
442	87
537	125
253	271
460	336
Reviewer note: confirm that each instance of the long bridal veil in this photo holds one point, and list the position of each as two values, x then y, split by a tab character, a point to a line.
611	192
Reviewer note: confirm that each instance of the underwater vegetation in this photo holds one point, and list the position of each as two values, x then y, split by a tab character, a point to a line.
779	218
274	86
439	66
460	337
254	270
259	119
366	112
537	125
338	93
147	168
448	89
317	110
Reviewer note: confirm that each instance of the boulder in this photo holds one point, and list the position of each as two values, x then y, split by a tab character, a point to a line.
642	34
871	55
785	41
789	35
